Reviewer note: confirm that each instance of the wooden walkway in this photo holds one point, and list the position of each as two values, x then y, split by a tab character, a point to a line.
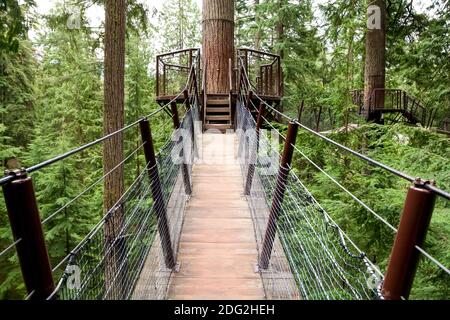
217	250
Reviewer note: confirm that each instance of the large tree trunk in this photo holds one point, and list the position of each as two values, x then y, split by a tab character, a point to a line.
258	30
218	43
280	40
374	70
280	28
113	119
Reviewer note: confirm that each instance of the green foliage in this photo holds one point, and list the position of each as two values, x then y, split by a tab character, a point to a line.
14	26
179	23
415	151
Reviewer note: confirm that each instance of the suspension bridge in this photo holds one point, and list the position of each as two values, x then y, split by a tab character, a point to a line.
217	212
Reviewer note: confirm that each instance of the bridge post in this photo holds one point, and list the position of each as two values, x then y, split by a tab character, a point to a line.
26	224
414	222
278	195
186	99
248	99
157	194
252	164
184	167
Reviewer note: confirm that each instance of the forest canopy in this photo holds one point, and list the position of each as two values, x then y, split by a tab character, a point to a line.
51	100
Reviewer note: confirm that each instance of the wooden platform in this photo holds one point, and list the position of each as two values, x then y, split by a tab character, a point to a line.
217	251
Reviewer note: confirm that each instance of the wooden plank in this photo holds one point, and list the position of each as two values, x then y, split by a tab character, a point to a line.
217	252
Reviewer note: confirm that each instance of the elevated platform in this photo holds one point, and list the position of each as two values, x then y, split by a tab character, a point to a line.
162	100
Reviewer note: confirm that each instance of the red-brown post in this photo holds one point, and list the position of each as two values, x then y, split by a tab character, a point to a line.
164	80
26	225
187	104
157	76
184	167
412	230
278	196
280	77
248	99
157	194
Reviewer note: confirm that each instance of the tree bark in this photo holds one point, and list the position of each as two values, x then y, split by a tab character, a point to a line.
374	67
280	28
218	43
280	40
113	120
258	30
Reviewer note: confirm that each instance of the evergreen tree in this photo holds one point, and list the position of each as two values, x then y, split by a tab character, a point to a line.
180	23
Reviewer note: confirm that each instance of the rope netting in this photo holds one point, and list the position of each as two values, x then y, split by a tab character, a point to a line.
124	256
310	258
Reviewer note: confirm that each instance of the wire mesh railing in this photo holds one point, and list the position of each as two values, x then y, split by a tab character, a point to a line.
410	234
310	258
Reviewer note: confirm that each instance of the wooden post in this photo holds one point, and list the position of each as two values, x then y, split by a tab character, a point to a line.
26	225
266	80
184	167
280	78
414	222
158	196
157	76
248	99
187	104
230	93
254	159
278	196
164	80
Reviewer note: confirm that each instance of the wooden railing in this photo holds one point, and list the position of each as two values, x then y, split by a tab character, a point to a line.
263	70
394	101
172	70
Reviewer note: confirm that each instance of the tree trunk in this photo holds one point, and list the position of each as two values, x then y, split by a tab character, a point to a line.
113	119
374	69
280	28
280	40
218	43
258	30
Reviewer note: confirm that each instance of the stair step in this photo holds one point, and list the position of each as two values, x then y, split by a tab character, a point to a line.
218	109
222	95
217	102
217	117
219	126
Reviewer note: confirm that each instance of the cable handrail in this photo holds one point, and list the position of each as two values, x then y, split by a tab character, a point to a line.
376	215
425	184
429	186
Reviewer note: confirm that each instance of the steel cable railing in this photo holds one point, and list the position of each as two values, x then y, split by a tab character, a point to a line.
247	104
308	245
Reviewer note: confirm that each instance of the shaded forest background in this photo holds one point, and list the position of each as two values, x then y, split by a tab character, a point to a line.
51	100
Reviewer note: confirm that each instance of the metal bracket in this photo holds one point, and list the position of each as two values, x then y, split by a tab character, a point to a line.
419	182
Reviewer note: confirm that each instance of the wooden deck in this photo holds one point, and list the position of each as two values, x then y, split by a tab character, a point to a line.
217	252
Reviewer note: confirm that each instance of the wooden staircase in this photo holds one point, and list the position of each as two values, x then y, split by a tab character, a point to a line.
217	112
